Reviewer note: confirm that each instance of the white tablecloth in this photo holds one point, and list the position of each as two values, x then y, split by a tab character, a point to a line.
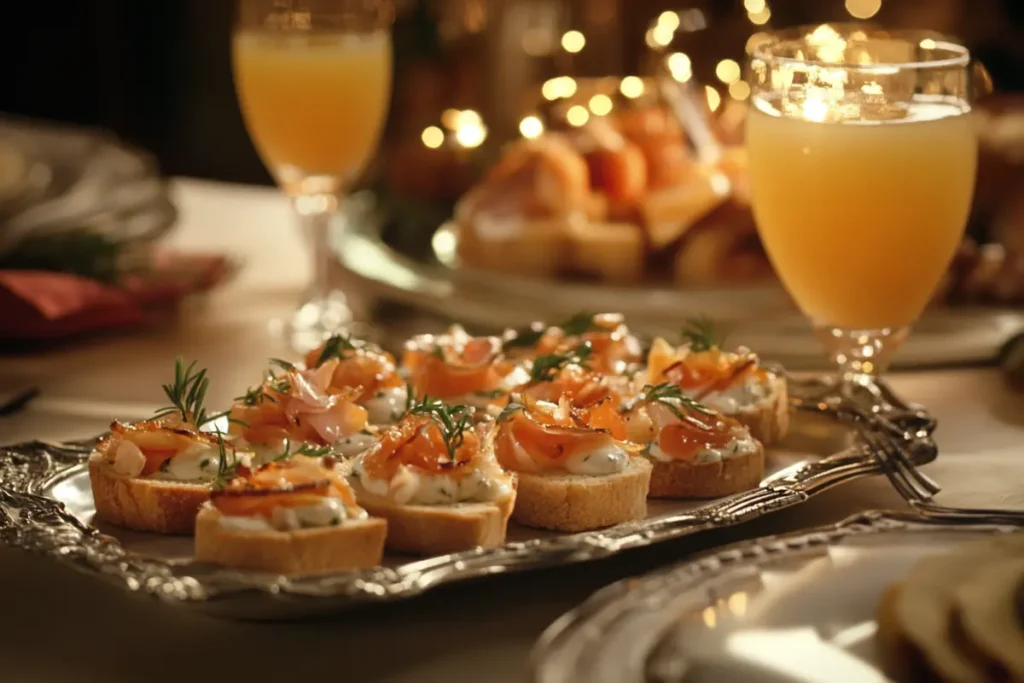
59	625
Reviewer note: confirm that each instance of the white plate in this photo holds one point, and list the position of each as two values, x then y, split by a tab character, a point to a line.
797	608
762	318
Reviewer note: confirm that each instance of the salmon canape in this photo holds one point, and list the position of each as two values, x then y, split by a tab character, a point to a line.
153	475
364	366
696	451
575	470
614	350
434	477
460	369
731	382
297	407
568	374
291	516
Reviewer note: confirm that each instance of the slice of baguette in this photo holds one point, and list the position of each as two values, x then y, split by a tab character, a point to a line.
768	419
440	529
707	480
351	545
164	507
578	502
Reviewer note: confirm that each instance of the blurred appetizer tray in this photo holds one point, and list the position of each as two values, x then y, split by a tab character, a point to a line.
757	316
47	507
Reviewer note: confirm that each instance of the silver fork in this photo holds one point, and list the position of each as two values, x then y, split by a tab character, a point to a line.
917	488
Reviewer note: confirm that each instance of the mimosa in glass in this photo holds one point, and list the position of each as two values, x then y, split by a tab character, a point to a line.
862	159
313	79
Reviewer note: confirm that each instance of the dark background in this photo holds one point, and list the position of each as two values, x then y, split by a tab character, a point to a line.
157	72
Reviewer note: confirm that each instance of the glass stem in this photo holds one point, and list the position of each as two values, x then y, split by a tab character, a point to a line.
315	213
861	355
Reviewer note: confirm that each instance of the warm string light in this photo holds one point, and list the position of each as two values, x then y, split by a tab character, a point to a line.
761	16
577	115
863	9
739	90
728	71
631	87
467	125
555	88
433	137
669	19
573	41
601	105
531	127
714	98
680	66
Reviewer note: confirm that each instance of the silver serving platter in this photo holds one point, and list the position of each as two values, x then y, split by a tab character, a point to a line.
46	507
796	607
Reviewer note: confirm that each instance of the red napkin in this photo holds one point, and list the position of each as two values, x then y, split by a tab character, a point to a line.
47	305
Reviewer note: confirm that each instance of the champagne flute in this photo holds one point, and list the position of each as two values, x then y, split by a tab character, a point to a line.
863	155
313	78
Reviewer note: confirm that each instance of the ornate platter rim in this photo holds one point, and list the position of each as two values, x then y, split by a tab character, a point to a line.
31	519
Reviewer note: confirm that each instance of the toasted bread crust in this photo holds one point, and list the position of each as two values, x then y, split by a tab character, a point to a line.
573	502
352	545
707	480
164	507
440	529
769	421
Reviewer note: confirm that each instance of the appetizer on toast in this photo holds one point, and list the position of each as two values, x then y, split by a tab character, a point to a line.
613	348
366	367
696	452
575	471
459	369
292	516
300	406
733	383
434	477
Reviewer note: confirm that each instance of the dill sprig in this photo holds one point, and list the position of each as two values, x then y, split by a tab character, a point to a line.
546	368
510	409
452	420
702	334
335	347
187	394
581	323
287	366
671	396
307	449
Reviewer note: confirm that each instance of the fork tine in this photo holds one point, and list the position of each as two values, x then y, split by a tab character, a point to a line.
896	477
921	482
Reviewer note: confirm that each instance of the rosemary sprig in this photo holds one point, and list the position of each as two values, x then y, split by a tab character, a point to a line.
335	347
283	364
410	397
187	393
225	471
702	334
306	449
546	368
671	396
453	421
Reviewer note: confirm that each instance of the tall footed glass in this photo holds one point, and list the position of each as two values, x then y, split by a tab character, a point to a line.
862	159
313	79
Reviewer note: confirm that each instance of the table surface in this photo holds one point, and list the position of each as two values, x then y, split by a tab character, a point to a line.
60	625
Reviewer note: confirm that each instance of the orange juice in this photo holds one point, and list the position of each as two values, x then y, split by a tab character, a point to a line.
314	103
861	219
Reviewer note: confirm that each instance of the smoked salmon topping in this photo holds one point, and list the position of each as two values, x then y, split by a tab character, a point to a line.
159	440
299	405
454	365
288	483
537	436
359	364
710	370
613	348
451	445
680	426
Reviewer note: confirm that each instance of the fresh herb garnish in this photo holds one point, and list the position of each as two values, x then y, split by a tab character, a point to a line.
410	397
453	421
701	334
186	394
437	352
283	364
334	348
546	368
492	393
578	324
306	449
225	471
671	396
509	410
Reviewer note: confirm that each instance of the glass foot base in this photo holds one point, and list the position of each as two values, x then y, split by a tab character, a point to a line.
319	318
861	355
